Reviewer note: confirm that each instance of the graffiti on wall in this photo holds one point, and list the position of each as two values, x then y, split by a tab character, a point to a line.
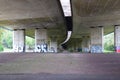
52	49
96	49
41	48
18	48
117	49
85	49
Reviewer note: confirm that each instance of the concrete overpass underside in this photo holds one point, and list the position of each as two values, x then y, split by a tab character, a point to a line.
44	21
91	14
30	15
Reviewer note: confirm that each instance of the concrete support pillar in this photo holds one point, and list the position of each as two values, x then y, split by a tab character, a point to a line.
79	43
117	39
76	45
53	44
41	42
97	39
86	44
19	40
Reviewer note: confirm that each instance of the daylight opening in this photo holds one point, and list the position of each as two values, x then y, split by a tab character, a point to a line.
66	7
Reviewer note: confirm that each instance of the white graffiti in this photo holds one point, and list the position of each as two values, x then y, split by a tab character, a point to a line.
41	48
18	49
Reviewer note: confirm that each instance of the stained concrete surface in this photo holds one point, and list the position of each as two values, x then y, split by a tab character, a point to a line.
75	66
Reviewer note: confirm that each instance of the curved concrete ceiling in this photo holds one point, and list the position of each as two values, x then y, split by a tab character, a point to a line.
31	14
86	8
26	9
88	13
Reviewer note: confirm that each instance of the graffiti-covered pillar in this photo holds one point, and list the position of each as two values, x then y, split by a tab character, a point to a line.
85	44
19	40
117	39
96	39
41	40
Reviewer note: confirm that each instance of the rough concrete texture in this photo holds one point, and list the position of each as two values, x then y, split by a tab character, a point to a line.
34	66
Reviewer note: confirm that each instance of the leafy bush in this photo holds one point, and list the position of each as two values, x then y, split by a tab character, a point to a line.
109	42
1	48
109	47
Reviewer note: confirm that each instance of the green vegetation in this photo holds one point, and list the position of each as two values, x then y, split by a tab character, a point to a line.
1	48
109	43
1	35
30	42
6	40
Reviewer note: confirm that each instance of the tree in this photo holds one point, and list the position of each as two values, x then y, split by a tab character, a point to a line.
109	42
30	42
5	38
1	34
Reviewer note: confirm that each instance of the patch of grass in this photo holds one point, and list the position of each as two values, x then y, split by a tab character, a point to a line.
7	50
108	51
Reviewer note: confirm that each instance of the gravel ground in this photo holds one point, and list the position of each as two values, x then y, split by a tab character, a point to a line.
35	66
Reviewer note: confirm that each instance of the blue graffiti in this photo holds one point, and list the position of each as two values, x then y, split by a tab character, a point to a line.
96	49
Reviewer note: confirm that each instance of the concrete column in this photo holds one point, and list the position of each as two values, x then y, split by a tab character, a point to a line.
53	44
97	39
85	44
19	40
41	43
117	39
79	49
